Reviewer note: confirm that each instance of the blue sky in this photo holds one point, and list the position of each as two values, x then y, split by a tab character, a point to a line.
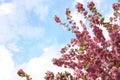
29	37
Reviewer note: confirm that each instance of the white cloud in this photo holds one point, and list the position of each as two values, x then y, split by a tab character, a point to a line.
40	7
6	8
14	23
37	67
42	11
7	69
12	47
29	32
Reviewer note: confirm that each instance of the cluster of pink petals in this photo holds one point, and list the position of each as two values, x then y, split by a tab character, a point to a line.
59	76
116	6
95	57
90	5
57	19
49	75
21	73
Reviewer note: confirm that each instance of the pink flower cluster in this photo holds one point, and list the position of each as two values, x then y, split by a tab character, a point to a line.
116	6
21	73
94	57
59	76
57	19
49	75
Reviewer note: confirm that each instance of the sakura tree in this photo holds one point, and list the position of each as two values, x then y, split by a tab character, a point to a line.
90	57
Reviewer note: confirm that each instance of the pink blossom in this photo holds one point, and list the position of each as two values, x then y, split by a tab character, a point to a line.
116	6
90	4
79	7
67	12
21	73
57	19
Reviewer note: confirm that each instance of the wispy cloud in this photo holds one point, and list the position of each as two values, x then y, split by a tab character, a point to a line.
6	64
36	67
14	21
6	8
40	7
14	26
13	47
